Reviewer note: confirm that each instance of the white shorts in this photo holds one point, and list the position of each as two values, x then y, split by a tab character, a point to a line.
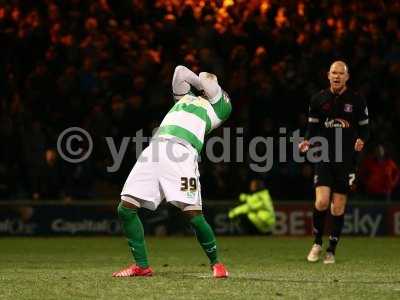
165	169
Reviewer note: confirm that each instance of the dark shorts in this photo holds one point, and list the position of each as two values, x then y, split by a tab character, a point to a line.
339	177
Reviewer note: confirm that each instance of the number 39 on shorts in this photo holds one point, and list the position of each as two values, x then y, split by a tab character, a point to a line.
188	184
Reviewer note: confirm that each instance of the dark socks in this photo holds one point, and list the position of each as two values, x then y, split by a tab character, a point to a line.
318	225
337	226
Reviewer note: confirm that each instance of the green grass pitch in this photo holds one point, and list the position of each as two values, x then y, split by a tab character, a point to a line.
260	268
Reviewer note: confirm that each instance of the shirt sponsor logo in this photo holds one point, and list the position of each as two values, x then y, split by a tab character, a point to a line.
336	123
190	195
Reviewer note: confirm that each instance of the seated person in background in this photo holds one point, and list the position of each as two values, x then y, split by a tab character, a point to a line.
257	211
379	174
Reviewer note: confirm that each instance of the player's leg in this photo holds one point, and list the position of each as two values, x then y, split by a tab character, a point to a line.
338	206
322	198
204	234
133	230
141	189
343	180
206	239
134	233
322	183
181	185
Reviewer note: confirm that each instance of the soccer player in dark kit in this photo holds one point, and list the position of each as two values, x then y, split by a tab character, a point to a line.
340	116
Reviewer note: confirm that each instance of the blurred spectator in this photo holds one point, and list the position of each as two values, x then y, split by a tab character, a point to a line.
34	148
379	174
51	177
8	158
79	181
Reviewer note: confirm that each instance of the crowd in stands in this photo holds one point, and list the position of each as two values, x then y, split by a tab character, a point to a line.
106	66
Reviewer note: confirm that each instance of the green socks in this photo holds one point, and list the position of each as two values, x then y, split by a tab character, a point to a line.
134	233
206	237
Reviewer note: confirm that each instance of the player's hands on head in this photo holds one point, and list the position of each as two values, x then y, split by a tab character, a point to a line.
359	145
209	76
210	85
183	80
304	146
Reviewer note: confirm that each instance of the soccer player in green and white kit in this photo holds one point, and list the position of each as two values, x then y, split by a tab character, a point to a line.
167	168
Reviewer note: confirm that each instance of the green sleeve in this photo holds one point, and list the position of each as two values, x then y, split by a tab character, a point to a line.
223	107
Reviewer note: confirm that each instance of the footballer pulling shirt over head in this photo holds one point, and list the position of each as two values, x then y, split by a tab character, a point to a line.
168	168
